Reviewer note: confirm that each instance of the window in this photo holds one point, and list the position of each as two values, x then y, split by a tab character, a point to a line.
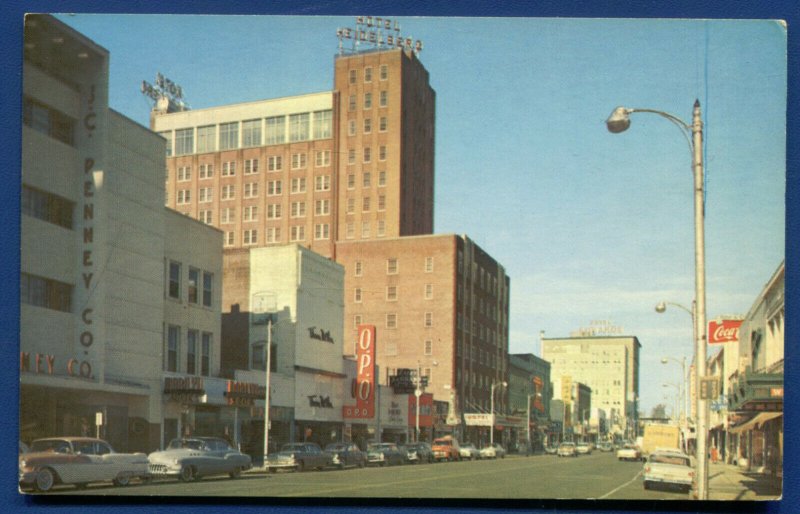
206	139
44	292
367	154
381	230
205	194
322	231
351	205
428	347
428	319
184	173
276	130
47	207
251	133
227	215
173	347
250	166
273	234
229	135
251	190
250	237
184	141
383	125
350	230
228	192
250	213
174	280
381	179
298	233
298	161
298	185
368	74
168	143
273	211
323	158
351	103
191	351
351	156
359	268
351	128
274	163
357	295
429	291
365	229
391	320
381	202
365	203
205	354
194	279
206	171
384	99
206	217
391	293
367	100
274	187
391	266
298	209
48	121
322	183
208	286
384	71
229	168
367	125
351	181
353	74
184	197
323	124
229	239
357	320
298	127
367	179
428	264
322	207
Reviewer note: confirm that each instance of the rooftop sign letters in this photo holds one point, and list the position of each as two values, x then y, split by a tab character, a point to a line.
378	32
598	328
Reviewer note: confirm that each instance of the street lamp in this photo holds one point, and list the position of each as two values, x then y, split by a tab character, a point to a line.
619	121
682	392
491	430
678	388
418	393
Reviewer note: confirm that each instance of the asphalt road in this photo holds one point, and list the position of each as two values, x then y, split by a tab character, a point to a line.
595	476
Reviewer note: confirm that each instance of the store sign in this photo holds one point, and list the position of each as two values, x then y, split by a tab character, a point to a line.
45	364
320	335
163	87
365	375
243	394
478	419
425	410
378	32
184	389
724	331
538	387
319	401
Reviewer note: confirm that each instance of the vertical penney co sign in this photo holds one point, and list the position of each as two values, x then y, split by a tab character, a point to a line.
365	376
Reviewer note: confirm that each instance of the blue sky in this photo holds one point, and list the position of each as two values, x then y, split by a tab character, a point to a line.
589	225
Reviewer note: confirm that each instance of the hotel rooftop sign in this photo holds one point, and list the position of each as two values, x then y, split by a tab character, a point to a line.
377	32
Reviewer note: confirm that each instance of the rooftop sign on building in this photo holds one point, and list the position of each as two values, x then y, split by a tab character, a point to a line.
598	328
377	32
167	94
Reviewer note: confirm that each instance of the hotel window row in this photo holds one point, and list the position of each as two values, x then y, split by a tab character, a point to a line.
366	154
274	130
366	229
383	126
392	268
383	101
366	204
297	233
48	121
199	284
383	70
251	190
47	207
366	179
322	159
195	358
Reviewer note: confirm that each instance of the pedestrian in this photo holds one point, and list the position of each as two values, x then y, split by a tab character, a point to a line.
86	430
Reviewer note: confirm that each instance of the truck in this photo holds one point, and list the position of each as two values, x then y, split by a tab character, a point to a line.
660	436
446	448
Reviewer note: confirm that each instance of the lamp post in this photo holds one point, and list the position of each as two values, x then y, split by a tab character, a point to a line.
491	429
682	391
678	388
619	121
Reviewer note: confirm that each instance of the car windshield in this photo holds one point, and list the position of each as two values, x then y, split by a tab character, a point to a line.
191	444
566	445
293	447
662	458
51	445
335	447
443	442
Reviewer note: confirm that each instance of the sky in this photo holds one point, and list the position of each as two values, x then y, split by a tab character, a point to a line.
589	225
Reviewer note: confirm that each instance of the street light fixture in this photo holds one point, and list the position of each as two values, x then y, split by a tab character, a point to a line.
619	121
491	430
682	392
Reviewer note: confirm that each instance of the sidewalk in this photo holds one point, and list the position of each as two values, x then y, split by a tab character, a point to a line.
728	482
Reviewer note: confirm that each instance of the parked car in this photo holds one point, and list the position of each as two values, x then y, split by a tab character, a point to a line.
345	455
78	461
671	468
469	452
493	451
418	452
446	448
567	449
583	448
629	452
550	450
298	457
605	447
384	454
23	448
191	458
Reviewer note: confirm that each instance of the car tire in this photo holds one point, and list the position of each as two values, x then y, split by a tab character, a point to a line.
646	484
187	474
362	464
236	473
45	480
122	480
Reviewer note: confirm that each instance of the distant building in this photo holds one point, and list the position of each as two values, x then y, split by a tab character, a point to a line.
530	391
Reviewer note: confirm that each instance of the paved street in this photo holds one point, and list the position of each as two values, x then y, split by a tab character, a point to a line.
598	475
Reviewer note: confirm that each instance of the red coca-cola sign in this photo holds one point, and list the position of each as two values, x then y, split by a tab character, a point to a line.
724	331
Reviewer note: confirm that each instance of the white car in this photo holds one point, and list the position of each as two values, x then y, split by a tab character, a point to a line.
469	452
567	449
583	448
493	451
629	452
669	467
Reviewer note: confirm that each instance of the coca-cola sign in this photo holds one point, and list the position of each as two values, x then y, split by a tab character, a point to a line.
724	331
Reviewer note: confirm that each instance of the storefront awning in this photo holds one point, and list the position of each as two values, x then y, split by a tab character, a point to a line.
755	422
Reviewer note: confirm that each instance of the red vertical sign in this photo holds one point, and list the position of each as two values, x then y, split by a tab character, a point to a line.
365	375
